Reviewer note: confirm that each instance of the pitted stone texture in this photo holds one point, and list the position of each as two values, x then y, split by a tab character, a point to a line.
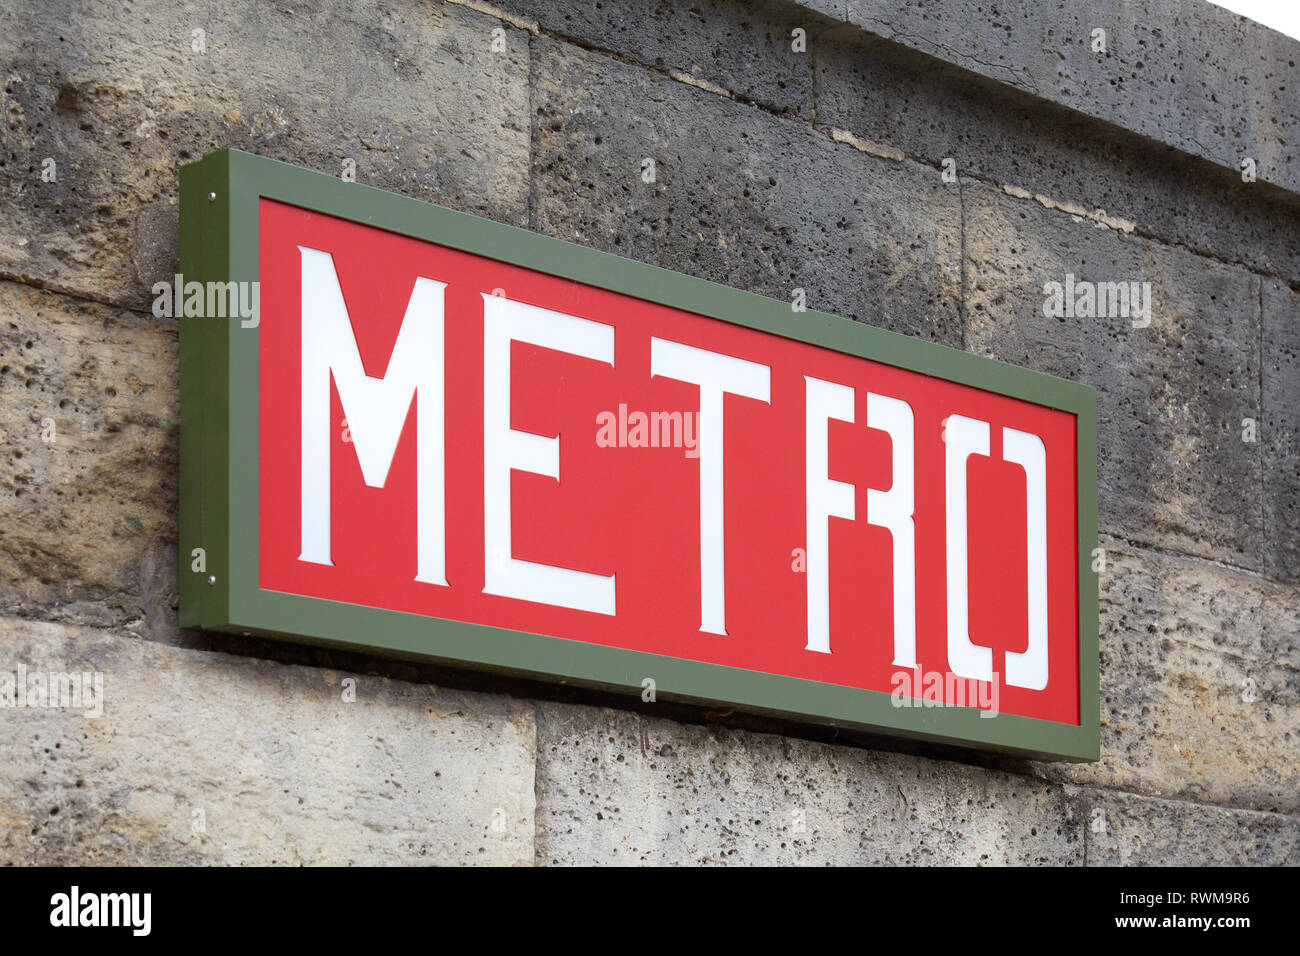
740	197
745	48
89	428
1279	434
931	111
1200	684
279	768
1173	470
1170	71
119	98
1128	830
619	788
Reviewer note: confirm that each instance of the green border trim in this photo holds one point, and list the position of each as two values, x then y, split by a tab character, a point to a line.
219	483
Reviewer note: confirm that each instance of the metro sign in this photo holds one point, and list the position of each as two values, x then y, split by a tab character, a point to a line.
448	439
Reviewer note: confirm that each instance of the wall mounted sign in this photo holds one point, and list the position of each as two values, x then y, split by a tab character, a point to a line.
443	438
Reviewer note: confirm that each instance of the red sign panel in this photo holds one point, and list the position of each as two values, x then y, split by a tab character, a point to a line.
448	435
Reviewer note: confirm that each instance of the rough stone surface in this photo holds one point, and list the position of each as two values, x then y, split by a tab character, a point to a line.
279	767
1128	830
1279	436
932	111
740	197
119	98
745	48
1173	469
1167	72
619	788
89	427
1200	691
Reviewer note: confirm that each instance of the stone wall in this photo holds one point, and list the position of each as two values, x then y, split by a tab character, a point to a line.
777	169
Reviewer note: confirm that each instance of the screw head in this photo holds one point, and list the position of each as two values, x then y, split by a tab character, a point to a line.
212	197
212	580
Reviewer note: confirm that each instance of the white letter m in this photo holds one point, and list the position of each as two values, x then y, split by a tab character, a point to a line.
375	408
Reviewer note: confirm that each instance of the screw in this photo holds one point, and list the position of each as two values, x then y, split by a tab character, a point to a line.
212	197
212	580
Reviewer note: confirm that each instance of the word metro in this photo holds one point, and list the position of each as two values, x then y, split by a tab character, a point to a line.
483	447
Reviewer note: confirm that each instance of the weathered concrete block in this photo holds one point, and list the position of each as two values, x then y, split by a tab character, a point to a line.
620	788
1173	469
1279	438
1200	684
120	97
745	48
207	758
1129	830
740	197
932	111
89	426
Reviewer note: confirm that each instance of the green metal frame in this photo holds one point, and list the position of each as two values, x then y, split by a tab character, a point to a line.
219	479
